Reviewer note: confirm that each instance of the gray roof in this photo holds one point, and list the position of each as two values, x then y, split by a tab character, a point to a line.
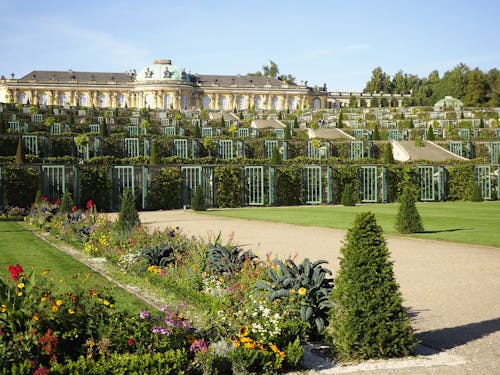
206	79
48	75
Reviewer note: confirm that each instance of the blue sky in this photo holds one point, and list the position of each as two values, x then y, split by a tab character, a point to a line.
334	42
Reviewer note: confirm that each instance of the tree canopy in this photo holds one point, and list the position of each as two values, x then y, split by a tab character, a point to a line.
272	71
472	86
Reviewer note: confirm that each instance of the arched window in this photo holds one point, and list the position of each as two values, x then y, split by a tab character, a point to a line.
23	98
206	102
121	100
167	101
275	103
184	100
292	104
258	102
148	101
82	100
101	101
241	103
43	99
316	103
61	100
224	105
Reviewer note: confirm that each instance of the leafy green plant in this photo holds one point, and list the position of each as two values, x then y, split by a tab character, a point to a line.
347	196
476	195
198	200
157	254
66	202
309	280
367	319
227	260
165	189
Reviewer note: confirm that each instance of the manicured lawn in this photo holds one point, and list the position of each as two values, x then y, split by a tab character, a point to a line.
19	245
463	222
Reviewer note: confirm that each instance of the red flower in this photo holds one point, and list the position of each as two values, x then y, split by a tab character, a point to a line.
130	341
15	271
45	199
90	204
41	371
74	208
57	202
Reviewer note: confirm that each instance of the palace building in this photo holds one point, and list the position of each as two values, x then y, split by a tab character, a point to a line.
160	85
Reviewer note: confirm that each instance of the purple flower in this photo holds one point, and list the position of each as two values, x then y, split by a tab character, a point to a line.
160	330
145	314
171	234
199	346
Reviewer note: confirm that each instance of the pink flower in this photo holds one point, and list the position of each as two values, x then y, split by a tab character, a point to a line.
74	208
41	371
199	346
57	202
90	204
130	341
45	199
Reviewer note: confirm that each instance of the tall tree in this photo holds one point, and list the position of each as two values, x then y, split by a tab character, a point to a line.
379	82
476	88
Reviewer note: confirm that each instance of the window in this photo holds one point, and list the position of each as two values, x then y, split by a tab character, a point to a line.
275	103
62	99
184	100
224	103
148	101
23	98
241	103
258	102
316	103
206	102
43	99
101	101
167	101
82	100
292	104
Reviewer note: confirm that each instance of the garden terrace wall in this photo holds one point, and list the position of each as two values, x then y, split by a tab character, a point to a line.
235	185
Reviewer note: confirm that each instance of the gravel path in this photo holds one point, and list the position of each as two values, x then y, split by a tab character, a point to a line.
452	290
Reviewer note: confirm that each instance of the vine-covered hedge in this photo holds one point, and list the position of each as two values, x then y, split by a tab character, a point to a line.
228	183
20	185
165	189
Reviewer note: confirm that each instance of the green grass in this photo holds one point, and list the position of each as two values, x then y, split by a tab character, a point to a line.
19	245
462	222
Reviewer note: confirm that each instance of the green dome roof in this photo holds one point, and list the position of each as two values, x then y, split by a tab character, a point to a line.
448	101
162	70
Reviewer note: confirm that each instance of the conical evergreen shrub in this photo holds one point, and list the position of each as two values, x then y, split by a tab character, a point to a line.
19	152
66	202
388	157
347	198
408	219
476	195
367	318
128	217
198	200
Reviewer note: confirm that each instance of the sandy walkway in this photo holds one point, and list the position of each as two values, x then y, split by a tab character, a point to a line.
453	290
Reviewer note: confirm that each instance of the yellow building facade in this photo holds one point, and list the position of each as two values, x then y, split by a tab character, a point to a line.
160	85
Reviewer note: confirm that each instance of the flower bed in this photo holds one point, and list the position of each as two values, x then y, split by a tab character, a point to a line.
235	312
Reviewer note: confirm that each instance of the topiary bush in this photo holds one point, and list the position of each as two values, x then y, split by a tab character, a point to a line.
347	196
408	219
367	318
128	217
165	190
198	200
476	195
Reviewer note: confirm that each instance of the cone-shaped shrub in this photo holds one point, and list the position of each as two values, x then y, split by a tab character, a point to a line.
66	202
198	200
388	157
347	198
367	319
128	217
408	219
19	152
476	195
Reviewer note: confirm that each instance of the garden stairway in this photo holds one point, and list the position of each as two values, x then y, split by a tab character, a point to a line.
331	133
429	151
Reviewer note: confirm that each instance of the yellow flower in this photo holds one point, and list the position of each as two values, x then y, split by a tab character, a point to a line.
112	306
292	291
45	271
59	302
292	299
221	279
249	345
245	339
244	331
274	348
54	308
236	344
19	294
106	302
35	318
71	311
91	342
3	309
20	285
87	275
302	291
43	299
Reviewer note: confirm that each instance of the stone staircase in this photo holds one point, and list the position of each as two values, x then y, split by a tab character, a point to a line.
429	151
331	133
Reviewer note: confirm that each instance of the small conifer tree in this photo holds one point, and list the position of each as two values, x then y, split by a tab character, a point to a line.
340	125
481	123
347	196
376	134
154	159
38	196
66	202
408	219
295	123
430	134
276	158
476	195
198	200
19	152
367	319
128	217
388	157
